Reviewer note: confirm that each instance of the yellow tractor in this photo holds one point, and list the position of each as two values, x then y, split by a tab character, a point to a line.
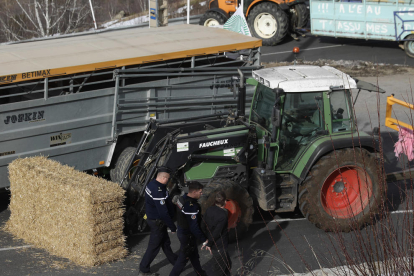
269	20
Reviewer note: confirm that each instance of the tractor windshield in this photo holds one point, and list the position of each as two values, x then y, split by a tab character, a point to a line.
302	118
262	106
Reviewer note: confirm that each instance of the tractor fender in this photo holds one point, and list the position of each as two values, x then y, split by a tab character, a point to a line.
326	147
220	11
281	3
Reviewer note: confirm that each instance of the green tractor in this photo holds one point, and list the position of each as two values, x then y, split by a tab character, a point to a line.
298	147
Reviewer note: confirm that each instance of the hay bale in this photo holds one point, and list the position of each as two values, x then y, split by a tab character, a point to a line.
67	212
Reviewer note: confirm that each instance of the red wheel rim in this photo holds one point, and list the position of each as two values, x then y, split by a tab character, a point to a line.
346	192
234	213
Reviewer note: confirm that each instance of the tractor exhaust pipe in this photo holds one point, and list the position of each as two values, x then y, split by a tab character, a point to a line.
241	97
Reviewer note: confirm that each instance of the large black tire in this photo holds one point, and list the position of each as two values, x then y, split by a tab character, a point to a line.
268	22
409	46
235	192
342	199
121	166
299	16
211	18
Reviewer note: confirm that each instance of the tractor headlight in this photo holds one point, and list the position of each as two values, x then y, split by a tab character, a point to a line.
261	80
256	77
267	83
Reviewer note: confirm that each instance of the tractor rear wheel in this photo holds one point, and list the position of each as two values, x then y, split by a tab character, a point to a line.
409	46
239	205
212	19
268	22
342	191
299	16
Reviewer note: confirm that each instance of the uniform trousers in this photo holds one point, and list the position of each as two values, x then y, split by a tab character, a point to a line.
158	239
187	241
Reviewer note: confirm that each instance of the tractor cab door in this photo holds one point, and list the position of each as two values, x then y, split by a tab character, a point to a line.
303	121
261	115
340	111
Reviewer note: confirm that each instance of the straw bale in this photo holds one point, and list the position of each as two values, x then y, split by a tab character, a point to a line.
67	212
106	227
105	246
108	236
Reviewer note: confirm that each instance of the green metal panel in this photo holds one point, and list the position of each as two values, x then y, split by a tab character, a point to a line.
252	81
206	170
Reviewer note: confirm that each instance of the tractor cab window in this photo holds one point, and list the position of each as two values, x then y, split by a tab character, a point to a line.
340	111
302	121
262	106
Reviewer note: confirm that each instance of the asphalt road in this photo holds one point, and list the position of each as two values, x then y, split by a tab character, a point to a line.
313	48
269	246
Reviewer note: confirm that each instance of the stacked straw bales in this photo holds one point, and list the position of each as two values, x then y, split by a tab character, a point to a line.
67	212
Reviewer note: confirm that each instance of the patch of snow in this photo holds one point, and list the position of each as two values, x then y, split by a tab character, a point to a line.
131	22
180	10
107	24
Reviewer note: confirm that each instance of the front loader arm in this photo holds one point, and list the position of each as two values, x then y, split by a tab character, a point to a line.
207	147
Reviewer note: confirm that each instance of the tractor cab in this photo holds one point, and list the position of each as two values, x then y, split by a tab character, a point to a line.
316	103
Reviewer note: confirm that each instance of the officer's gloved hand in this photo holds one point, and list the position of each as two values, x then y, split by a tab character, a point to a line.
175	199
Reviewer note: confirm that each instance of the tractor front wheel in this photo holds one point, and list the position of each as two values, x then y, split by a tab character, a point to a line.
212	19
239	205
268	22
342	191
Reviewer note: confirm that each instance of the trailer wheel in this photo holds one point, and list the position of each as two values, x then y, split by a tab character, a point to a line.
299	16
268	22
211	19
240	205
409	46
121	166
341	194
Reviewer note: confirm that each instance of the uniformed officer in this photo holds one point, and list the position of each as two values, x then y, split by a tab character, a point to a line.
160	212
216	220
188	219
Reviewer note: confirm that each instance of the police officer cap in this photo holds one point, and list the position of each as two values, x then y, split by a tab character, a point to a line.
164	169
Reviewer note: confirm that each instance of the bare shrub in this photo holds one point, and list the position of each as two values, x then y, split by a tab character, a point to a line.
22	19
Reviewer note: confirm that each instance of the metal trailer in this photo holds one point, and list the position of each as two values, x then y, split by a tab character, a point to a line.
60	97
365	19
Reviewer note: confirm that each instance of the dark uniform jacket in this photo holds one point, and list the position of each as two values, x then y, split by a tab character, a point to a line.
158	204
216	220
189	218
